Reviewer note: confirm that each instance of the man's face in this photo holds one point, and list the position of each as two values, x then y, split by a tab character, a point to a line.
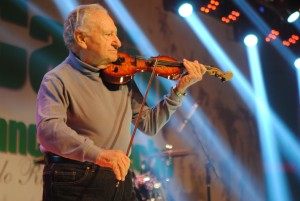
101	40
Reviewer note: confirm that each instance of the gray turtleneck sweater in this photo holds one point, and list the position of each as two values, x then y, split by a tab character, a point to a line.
77	115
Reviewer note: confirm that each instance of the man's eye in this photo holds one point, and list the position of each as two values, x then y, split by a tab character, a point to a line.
108	34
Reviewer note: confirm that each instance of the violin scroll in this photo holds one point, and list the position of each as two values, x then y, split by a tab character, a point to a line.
219	74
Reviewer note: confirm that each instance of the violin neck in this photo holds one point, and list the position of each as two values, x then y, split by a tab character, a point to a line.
176	64
169	63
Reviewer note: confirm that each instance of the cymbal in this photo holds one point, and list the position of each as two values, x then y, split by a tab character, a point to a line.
172	153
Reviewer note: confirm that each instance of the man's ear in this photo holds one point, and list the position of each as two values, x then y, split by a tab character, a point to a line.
79	37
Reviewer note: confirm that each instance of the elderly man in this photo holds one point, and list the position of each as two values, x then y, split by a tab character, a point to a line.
83	125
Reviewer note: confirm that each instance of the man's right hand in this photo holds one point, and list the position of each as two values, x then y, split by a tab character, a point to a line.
116	160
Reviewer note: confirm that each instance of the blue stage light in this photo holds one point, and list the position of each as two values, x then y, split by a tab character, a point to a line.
297	63
185	10
293	17
250	40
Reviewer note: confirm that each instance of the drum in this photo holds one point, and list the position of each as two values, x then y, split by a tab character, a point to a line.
148	188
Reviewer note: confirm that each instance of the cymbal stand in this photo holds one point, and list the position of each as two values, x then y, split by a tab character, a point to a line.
208	166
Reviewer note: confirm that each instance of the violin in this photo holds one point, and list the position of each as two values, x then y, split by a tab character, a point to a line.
124	68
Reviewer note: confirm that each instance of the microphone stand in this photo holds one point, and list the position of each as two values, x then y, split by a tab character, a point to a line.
208	179
208	166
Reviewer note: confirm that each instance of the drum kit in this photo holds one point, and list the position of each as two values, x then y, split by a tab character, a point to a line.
150	184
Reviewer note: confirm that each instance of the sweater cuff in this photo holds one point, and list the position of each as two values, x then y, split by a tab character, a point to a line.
92	153
174	96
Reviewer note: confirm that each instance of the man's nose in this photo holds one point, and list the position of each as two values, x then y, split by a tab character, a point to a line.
116	42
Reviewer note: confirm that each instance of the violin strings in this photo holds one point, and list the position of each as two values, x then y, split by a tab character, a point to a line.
177	64
169	63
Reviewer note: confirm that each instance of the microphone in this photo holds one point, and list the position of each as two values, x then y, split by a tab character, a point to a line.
194	107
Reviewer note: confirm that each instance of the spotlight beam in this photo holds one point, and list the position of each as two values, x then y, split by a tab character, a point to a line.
65	7
227	158
132	28
276	183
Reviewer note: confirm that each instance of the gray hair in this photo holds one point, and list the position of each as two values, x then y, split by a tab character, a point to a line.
76	20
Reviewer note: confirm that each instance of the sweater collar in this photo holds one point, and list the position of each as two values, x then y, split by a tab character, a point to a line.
83	67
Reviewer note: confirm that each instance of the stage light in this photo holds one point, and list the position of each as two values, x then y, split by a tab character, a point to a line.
232	17
185	10
264	28
250	40
291	40
261	9
293	17
297	63
272	35
211	6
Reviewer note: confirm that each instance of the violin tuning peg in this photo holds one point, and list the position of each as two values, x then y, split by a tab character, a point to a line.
119	61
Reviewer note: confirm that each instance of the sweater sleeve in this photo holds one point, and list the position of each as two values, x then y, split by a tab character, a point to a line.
52	130
153	119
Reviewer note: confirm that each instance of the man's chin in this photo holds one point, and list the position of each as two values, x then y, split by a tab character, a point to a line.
114	58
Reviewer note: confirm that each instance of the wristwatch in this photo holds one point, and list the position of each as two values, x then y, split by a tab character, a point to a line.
179	94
